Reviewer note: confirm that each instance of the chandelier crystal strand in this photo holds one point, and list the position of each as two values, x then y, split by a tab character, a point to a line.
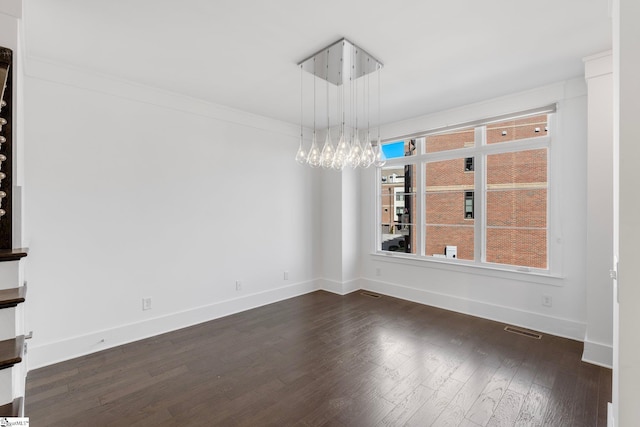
380	159
314	152
301	155
342	151
356	147
368	155
328	152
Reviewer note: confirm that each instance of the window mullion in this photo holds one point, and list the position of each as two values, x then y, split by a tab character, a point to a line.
479	194
420	191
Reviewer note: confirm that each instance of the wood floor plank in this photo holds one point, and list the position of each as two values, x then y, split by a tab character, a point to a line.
456	411
586	392
522	380
437	402
327	360
506	413
604	395
560	408
482	409
404	410
534	406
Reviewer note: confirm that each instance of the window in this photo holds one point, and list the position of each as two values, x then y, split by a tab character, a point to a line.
468	164
398	201
468	205
482	189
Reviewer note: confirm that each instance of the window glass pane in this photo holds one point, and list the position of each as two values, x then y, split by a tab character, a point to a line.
449	209
512	130
450	141
516	215
398	204
393	150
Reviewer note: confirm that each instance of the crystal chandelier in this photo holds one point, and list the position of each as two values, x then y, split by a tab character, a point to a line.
346	71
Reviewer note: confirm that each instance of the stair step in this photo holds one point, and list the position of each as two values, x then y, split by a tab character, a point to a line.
13	254
11	352
12	297
13	409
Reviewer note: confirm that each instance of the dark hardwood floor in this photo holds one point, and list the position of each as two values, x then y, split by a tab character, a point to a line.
322	359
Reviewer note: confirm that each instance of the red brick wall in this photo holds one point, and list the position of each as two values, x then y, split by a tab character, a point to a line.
450	141
522	167
517	129
517	208
517	197
440	236
517	247
446	208
448	172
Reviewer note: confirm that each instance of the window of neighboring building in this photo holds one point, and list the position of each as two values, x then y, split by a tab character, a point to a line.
484	191
468	164
468	205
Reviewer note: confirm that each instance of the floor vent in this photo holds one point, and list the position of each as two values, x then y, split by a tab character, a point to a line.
524	332
369	294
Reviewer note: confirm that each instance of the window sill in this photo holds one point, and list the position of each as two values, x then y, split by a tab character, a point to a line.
460	266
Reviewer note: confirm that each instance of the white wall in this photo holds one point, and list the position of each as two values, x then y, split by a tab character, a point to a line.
134	192
626	71
510	297
598	341
340	230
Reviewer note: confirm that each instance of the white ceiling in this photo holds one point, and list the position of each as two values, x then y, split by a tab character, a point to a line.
243	53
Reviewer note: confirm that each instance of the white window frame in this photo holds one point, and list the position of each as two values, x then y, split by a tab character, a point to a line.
479	151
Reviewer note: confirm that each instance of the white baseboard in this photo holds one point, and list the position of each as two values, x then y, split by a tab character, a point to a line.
538	322
611	422
50	353
59	351
598	354
340	288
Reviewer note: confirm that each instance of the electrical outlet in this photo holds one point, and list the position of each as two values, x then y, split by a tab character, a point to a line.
146	304
238	285
547	301
286	275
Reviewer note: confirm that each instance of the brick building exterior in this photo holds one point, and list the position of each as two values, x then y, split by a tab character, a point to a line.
516	198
